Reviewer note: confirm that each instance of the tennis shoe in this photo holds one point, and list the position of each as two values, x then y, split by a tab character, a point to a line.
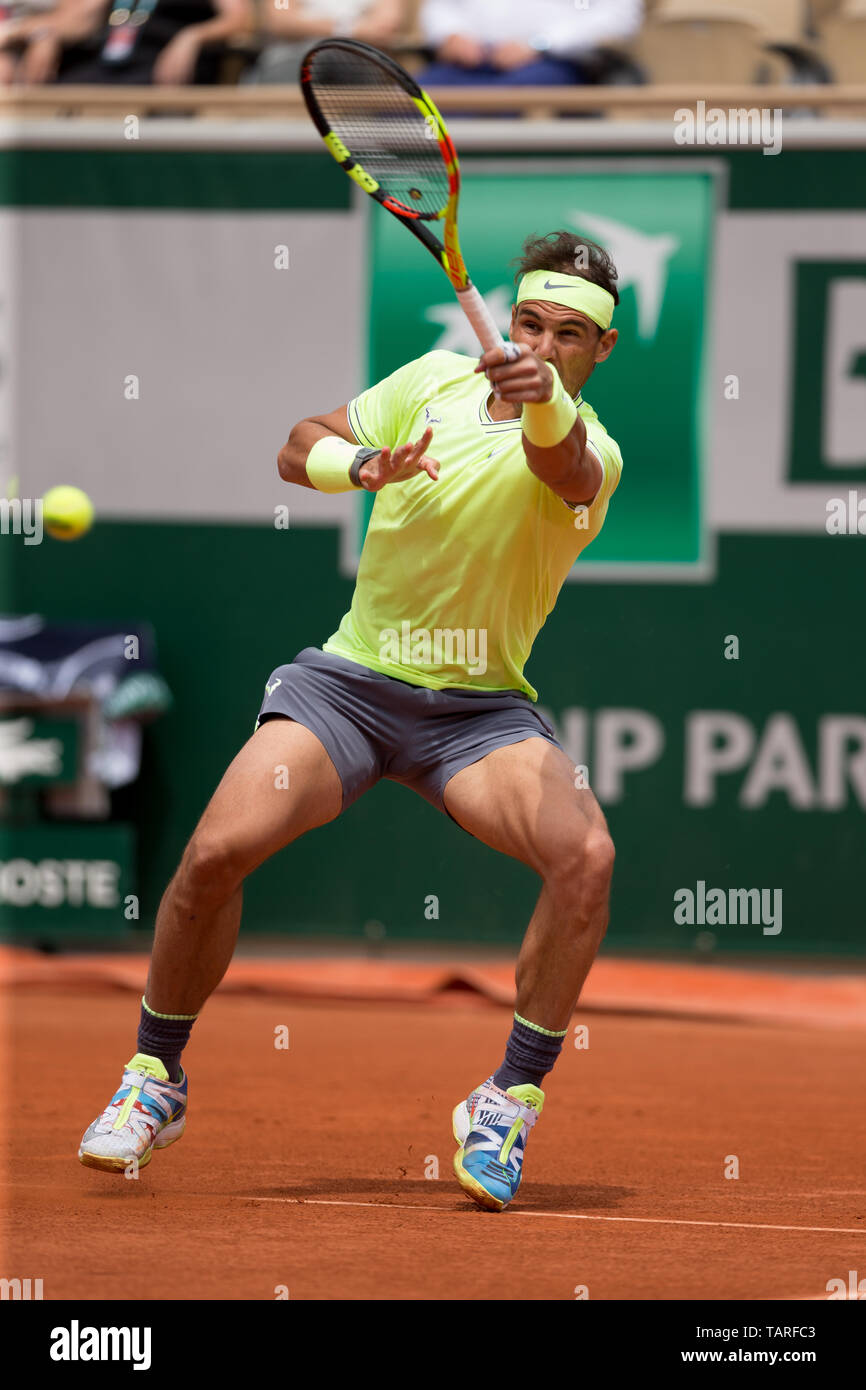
491	1128
148	1112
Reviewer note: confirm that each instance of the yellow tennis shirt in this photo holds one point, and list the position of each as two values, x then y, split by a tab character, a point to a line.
457	576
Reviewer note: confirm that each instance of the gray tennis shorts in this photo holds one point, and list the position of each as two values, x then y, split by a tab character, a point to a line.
375	726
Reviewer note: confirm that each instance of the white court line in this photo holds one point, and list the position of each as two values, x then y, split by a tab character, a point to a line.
551	1215
560	1215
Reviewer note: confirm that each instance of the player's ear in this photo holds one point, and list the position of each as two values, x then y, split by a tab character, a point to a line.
606	344
513	317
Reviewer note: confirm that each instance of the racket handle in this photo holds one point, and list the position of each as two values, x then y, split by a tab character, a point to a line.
479	316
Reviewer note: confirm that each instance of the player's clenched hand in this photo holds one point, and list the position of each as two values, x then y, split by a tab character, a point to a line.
396	465
516	373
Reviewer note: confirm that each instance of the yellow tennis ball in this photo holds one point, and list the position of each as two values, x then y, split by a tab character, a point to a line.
67	513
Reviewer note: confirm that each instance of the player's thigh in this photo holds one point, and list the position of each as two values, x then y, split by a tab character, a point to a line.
281	784
522	800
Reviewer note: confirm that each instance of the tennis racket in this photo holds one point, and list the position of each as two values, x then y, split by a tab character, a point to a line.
387	135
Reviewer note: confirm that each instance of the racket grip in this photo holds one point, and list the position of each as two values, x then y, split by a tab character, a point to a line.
479	316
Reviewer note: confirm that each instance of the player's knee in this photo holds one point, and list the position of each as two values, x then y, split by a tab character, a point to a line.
583	869
209	871
599	856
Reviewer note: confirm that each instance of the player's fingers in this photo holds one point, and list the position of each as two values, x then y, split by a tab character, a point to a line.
518	397
407	451
398	457
533	389
496	357
509	390
407	456
416	450
513	371
398	469
376	471
412	467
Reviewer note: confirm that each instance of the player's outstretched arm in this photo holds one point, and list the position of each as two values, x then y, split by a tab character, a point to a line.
292	458
554	436
386	466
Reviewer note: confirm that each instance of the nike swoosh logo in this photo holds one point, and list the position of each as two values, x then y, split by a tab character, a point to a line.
548	286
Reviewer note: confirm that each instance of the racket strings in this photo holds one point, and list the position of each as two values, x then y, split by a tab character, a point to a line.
382	128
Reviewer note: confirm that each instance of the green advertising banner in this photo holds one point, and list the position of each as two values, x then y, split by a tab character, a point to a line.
656	220
38	751
828	408
62	878
709	684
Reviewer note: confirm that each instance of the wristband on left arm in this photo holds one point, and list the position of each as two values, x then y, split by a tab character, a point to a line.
333	464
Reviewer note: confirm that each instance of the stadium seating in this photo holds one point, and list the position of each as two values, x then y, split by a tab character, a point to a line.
843	40
711	40
725	46
761	50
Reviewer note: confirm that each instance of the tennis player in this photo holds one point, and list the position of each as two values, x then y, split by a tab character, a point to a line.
423	683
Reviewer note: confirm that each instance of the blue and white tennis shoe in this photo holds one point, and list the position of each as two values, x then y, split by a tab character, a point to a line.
491	1127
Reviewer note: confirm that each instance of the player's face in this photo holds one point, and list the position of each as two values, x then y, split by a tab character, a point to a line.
570	341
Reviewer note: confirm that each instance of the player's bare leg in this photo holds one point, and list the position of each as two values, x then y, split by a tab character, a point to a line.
281	784
522	800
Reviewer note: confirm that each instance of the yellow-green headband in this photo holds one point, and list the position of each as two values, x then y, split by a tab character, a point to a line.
571	290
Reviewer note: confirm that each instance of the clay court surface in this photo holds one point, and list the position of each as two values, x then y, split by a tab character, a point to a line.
305	1167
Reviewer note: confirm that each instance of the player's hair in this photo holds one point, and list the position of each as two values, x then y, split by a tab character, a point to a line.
566	253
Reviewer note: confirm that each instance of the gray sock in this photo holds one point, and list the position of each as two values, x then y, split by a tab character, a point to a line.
529	1054
165	1037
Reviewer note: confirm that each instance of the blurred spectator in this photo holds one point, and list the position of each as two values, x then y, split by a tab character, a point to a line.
519	42
373	21
131	41
18	20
